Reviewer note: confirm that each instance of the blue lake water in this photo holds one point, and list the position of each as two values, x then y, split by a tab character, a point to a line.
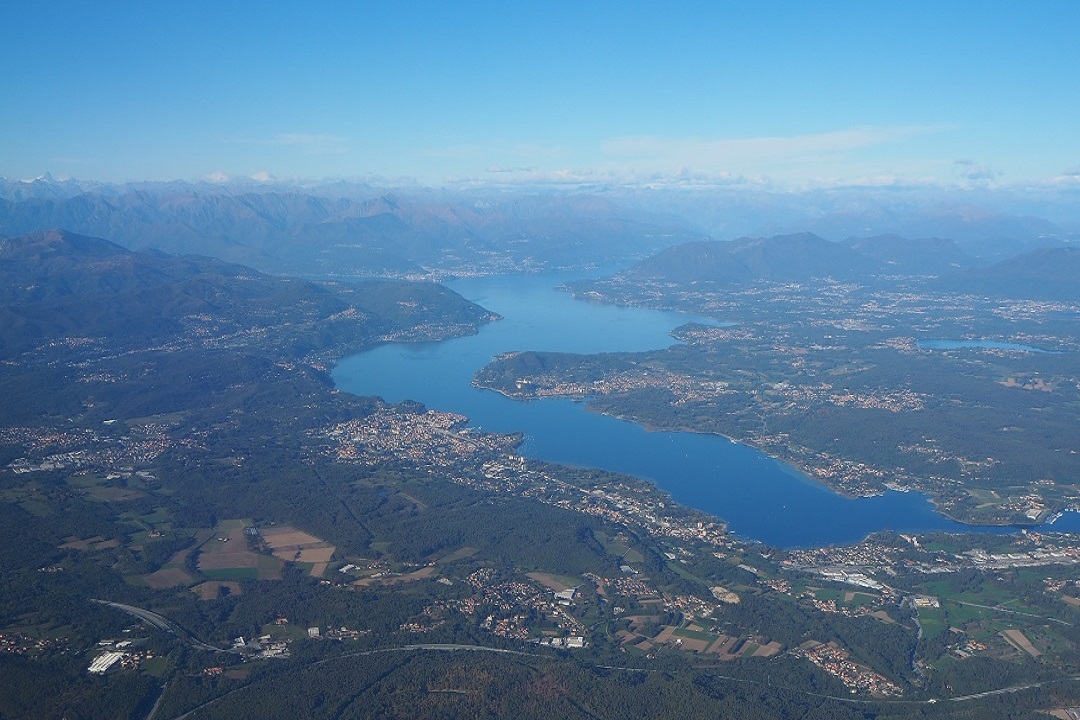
760	498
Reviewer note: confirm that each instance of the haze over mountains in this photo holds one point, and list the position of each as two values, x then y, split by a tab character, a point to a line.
1044	273
914	256
389	234
354	228
984	222
780	258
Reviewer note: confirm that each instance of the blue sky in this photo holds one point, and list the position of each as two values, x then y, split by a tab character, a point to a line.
789	94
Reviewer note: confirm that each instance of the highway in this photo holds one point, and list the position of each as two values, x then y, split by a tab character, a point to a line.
167	625
434	647
999	608
162	623
440	647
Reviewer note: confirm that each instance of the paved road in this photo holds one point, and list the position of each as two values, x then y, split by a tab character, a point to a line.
158	621
999	608
157	703
162	623
167	625
440	647
435	647
1014	688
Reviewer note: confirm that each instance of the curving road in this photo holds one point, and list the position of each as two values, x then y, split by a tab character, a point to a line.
999	608
162	623
436	647
167	625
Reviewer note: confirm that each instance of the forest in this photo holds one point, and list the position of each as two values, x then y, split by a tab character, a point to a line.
159	472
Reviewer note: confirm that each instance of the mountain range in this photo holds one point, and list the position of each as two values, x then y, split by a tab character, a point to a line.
1044	273
351	228
391	234
781	258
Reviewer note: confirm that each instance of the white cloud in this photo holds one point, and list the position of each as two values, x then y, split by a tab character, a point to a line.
263	177
737	152
875	155
217	177
871	155
972	171
1069	178
591	178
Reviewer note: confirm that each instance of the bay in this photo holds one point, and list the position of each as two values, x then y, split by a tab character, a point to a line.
760	498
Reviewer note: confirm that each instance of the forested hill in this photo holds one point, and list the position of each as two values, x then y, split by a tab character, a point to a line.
1047	273
1044	274
58	286
914	256
785	258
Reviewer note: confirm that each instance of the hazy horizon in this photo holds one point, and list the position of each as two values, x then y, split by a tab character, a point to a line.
770	96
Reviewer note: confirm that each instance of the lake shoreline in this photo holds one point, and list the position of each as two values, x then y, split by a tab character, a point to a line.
762	497
801	470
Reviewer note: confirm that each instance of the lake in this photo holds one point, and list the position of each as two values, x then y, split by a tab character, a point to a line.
761	499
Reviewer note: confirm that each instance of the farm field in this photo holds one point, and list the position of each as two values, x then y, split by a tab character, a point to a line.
226	555
292	545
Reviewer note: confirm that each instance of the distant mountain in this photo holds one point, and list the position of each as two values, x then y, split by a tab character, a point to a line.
977	230
300	233
800	257
784	258
353	227
1043	274
988	224
59	286
709	260
923	256
45	186
53	265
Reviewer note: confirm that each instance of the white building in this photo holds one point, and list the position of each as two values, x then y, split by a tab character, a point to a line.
104	661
